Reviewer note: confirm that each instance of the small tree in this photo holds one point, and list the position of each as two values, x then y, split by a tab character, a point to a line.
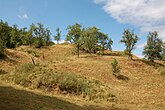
41	35
130	40
58	35
115	67
15	37
90	39
74	36
153	49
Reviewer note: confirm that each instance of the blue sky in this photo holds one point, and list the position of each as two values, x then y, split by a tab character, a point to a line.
101	13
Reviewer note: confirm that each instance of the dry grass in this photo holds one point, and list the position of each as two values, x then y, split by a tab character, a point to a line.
143	89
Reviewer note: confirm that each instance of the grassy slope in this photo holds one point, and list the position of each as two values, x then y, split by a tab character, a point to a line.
141	86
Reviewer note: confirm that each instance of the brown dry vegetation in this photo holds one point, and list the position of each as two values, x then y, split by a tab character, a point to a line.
140	86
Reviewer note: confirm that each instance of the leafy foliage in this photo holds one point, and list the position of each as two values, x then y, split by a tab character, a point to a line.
130	40
42	35
153	49
12	36
74	36
89	39
115	67
105	42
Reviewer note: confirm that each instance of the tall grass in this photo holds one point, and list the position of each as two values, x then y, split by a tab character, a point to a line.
40	77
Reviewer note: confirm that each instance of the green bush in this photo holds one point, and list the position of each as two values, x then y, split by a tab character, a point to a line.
38	43
33	53
115	67
71	83
27	67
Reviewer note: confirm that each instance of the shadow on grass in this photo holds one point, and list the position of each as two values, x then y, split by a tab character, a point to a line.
2	72
13	99
153	64
119	54
121	77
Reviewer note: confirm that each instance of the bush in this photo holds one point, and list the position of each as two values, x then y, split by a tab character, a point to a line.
72	84
33	53
27	67
38	43
115	67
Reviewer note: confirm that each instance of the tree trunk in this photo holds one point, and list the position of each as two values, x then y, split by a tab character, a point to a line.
33	60
78	48
94	51
102	51
43	58
130	55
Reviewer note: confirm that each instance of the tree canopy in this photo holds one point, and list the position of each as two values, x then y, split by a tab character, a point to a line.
153	49
130	40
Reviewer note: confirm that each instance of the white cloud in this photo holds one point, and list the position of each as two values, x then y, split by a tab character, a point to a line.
148	15
23	16
60	42
140	56
141	46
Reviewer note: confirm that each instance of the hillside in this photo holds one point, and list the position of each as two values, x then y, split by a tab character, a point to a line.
140	87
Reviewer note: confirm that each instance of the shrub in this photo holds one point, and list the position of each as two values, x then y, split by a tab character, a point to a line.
115	67
24	68
71	83
33	53
38	43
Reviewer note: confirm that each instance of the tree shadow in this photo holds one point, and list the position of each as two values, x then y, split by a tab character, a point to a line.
91	107
89	56
121	77
153	64
115	53
13	99
2	72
